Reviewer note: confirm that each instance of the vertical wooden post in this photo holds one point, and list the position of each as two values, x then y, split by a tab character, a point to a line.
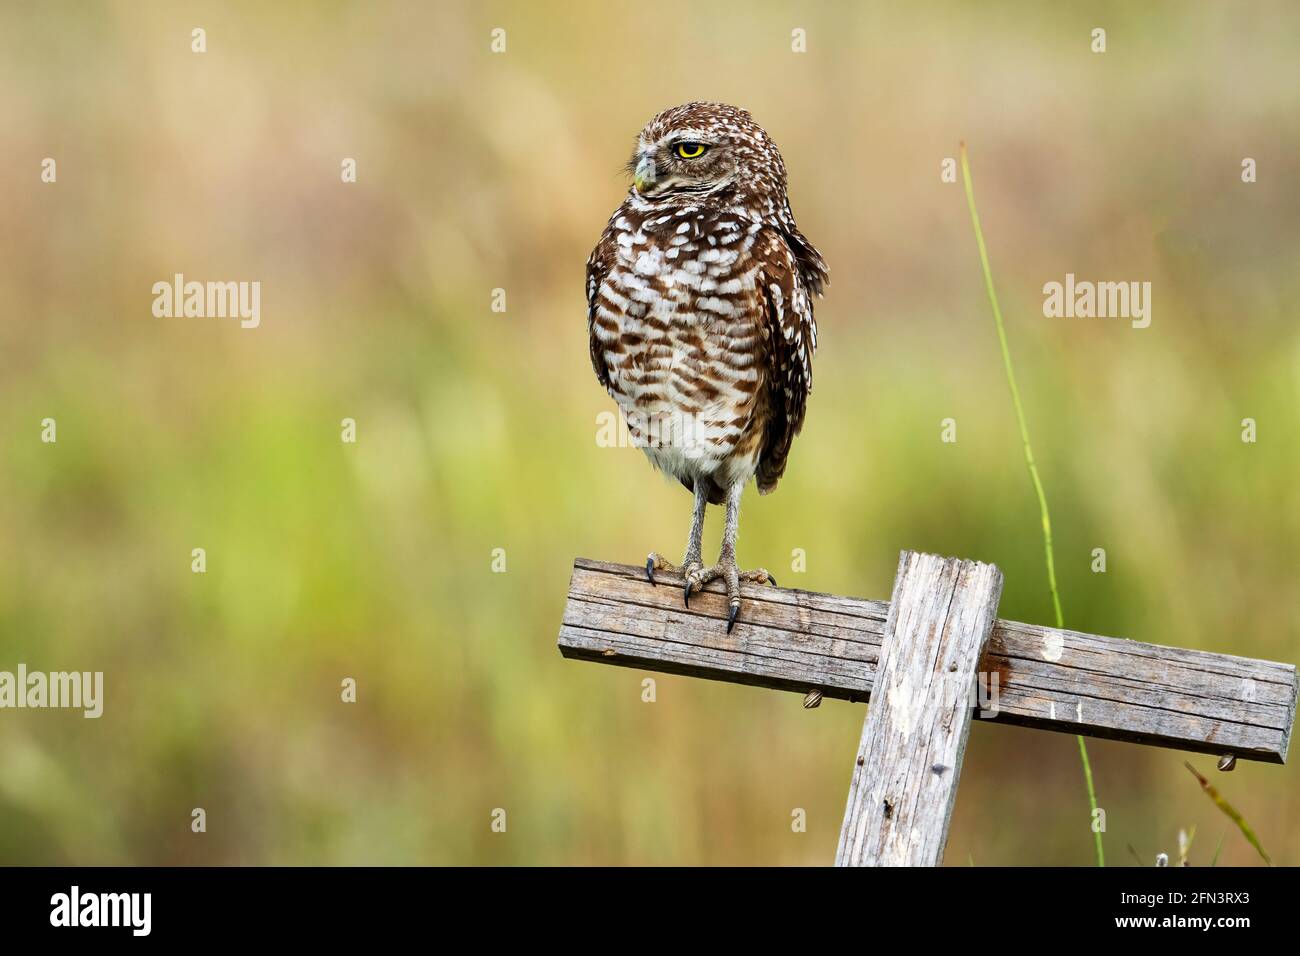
905	777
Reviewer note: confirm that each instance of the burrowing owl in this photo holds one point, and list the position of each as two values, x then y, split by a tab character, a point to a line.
700	315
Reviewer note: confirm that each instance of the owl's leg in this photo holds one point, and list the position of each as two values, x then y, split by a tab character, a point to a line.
655	562
726	567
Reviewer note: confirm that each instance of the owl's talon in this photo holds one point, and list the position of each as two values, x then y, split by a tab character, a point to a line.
691	579
731	616
759	576
656	562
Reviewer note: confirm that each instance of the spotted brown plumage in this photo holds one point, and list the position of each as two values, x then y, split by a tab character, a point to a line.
700	316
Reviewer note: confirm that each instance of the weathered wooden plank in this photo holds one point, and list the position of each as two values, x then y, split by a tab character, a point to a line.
1047	678
914	737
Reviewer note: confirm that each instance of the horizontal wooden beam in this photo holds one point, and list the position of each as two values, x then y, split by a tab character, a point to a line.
1051	679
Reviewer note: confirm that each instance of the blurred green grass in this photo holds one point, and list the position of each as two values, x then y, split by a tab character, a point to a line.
477	430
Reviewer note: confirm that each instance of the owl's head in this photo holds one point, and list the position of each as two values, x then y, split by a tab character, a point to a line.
707	149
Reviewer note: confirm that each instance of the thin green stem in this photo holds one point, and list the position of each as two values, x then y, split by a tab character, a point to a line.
1092	797
1029	460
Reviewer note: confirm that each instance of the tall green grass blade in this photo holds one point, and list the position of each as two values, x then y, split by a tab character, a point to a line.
1029	461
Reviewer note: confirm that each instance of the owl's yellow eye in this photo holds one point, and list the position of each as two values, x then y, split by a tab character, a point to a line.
690	150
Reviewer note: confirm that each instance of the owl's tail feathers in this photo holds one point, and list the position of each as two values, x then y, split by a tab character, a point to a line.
771	466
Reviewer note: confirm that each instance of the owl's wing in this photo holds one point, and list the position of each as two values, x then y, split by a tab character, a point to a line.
597	269
790	338
812	267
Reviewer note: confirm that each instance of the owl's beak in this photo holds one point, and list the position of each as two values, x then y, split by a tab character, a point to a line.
644	176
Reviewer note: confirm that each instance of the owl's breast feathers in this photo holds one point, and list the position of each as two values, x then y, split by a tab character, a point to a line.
701	327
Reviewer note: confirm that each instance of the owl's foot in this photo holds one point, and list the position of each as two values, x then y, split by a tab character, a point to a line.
657	562
727	570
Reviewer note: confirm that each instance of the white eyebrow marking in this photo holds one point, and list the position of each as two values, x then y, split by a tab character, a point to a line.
688	135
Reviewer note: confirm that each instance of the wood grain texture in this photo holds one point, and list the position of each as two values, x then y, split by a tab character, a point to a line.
909	759
1047	678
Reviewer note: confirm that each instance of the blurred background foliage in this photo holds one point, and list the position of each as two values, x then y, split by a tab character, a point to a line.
477	430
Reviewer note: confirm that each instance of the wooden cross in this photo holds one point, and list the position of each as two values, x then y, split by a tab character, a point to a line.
930	660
